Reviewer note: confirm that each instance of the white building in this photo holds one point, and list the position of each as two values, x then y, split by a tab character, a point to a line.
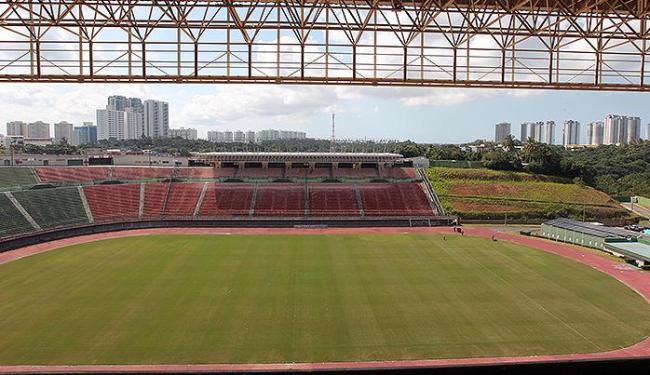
612	129
571	133
156	119
250	136
549	133
17	128
120	125
38	130
647	132
630	129
595	133
239	136
186	133
63	130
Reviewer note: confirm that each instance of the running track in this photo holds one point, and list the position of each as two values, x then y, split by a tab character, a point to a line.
633	278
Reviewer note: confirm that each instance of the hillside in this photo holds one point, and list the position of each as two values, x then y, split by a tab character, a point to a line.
489	194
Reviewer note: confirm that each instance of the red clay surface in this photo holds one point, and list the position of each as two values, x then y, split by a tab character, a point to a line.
636	279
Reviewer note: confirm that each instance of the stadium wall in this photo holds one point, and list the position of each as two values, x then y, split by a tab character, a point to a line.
57	234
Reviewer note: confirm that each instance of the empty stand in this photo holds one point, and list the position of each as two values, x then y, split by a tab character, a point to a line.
155	196
403	199
197	172
280	199
72	174
53	207
12	221
183	198
16	176
333	200
227	200
399	173
113	202
261	172
141	173
356	173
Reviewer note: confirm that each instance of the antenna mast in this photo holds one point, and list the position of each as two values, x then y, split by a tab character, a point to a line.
333	141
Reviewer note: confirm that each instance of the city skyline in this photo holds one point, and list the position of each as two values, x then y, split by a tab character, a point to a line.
420	115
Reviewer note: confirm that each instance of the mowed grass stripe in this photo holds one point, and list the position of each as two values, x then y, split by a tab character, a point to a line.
261	299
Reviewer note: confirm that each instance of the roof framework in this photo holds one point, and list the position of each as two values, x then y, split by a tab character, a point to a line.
562	44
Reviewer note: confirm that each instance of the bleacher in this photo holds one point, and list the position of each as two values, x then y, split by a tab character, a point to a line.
280	200
230	199
155	196
12	221
333	200
72	174
141	173
55	207
16	176
399	173
402	199
183	198
111	202
356	173
260	173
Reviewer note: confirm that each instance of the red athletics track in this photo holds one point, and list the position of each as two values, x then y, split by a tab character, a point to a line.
634	278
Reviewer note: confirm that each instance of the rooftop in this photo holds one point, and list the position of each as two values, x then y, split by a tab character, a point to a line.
592	229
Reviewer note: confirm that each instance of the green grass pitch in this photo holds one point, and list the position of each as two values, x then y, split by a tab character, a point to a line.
260	299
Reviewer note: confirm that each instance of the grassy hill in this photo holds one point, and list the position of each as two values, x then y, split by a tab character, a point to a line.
489	194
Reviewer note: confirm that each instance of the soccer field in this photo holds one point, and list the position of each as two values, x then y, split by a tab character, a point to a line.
306	298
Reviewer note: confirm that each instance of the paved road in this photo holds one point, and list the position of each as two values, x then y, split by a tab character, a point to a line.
637	209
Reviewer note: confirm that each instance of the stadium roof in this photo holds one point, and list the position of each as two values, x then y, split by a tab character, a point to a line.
591	229
300	156
634	250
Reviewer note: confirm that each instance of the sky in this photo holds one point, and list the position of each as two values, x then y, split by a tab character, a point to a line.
432	115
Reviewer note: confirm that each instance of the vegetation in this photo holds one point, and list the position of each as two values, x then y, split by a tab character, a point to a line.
489	194
616	170
311	298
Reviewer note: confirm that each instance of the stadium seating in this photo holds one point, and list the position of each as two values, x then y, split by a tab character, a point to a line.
402	199
112	202
399	173
141	173
356	173
333	200
72	174
280	200
227	200
196	172
16	176
261	172
155	196
12	221
54	207
183	198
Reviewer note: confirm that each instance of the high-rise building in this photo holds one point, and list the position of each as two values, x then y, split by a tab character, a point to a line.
571	133
85	134
647	132
631	129
38	130
523	132
156	119
63	130
228	136
501	131
250	136
188	133
118	124
595	132
549	133
17	128
239	136
611	133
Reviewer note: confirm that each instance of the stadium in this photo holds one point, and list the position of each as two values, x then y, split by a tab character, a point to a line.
288	261
144	249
